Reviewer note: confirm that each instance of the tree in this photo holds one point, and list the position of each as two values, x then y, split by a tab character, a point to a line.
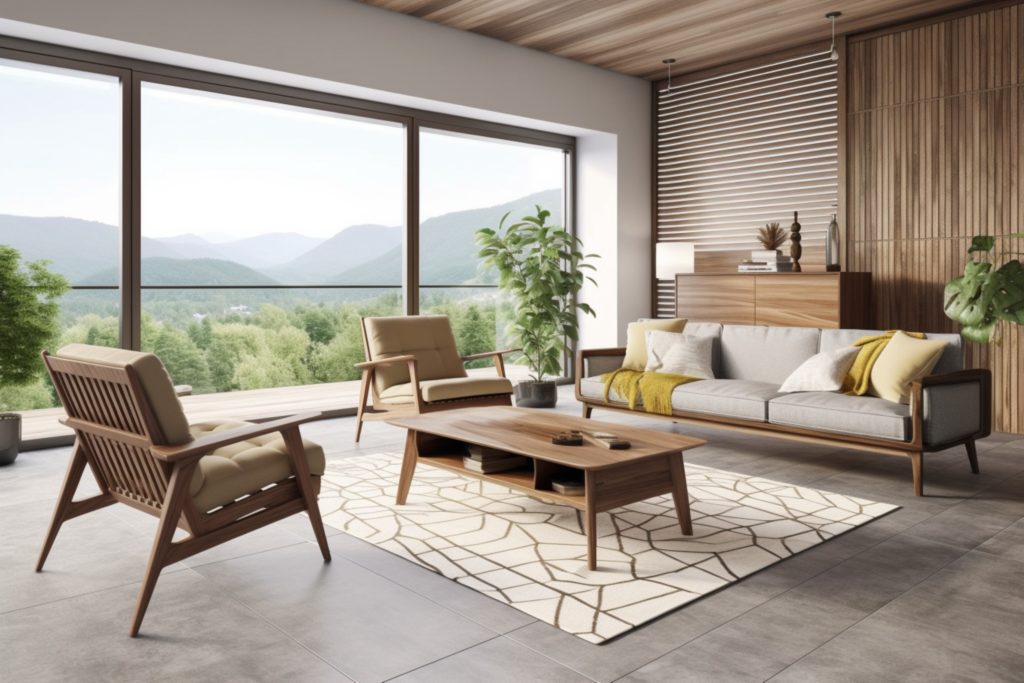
475	334
318	324
185	362
29	312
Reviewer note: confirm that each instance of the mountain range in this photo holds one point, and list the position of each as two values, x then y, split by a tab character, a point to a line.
88	252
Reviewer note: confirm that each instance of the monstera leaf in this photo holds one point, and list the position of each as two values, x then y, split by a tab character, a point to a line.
983	243
982	296
1007	284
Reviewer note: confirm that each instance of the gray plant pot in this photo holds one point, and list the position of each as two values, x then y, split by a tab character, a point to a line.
536	394
10	437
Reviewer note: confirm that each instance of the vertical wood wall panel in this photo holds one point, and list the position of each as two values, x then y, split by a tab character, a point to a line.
934	123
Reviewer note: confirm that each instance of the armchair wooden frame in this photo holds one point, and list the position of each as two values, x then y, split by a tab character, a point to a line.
118	437
378	410
914	449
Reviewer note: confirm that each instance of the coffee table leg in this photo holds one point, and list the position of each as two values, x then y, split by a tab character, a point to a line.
590	519
408	467
679	493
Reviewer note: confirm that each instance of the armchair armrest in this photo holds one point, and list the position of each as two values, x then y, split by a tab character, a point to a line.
211	442
488	354
370	364
952	407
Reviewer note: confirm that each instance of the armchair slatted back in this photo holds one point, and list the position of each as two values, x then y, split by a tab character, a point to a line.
108	408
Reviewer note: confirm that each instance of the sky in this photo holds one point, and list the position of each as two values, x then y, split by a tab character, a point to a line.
224	167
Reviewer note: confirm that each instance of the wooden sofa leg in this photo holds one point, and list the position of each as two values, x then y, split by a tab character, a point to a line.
917	464
587	410
972	455
364	394
67	493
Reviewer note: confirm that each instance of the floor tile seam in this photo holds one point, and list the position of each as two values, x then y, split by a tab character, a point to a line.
953	507
299	541
427	597
862	619
529	647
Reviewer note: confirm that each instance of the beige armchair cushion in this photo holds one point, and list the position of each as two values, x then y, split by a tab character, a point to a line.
156	385
448	389
245	467
428	337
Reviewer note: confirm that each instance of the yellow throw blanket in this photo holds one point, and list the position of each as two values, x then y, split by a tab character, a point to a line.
858	379
654	387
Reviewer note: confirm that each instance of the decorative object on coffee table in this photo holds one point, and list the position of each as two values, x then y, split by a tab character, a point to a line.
795	250
541	266
832	245
652	467
28	324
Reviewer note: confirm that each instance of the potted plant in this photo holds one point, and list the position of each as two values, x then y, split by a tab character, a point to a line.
542	267
985	293
28	323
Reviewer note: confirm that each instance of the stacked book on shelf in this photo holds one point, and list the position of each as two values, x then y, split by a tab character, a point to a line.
771	261
490	460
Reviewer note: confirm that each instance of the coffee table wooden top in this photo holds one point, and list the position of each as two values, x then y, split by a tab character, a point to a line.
528	432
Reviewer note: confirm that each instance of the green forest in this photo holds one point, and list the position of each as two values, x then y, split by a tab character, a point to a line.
283	343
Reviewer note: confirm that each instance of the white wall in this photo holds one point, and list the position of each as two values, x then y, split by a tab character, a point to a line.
353	49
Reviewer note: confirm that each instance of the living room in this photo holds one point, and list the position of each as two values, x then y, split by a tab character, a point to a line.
513	341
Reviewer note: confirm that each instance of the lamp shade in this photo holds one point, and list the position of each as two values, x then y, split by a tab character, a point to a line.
671	258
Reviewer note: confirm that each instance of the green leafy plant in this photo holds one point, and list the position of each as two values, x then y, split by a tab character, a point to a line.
986	294
29	311
542	267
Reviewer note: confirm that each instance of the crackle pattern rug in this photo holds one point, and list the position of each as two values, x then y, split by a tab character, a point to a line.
532	555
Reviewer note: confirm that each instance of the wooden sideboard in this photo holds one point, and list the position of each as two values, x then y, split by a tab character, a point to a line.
784	299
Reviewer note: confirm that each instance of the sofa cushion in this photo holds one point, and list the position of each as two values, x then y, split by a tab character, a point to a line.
448	389
832	412
951	360
593	388
765	354
713	330
903	360
245	467
744	399
636	339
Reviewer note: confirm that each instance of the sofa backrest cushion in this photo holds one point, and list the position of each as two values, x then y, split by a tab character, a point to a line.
765	354
951	360
713	330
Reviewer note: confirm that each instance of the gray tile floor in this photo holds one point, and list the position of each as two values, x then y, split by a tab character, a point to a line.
933	591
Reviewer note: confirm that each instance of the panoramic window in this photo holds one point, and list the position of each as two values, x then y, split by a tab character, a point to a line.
60	142
469	182
267	230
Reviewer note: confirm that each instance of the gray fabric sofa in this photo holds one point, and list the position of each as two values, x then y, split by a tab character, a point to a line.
950	407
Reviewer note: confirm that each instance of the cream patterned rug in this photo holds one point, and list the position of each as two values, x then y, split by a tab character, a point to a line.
532	555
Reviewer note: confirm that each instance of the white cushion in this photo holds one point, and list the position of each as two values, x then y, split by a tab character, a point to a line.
658	344
689	356
824	371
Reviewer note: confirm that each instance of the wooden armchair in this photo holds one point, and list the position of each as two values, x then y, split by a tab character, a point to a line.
216	480
412	366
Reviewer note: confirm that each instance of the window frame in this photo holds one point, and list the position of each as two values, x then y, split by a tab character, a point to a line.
133	73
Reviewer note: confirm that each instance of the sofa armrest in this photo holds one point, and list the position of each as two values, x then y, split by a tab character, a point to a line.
952	408
590	362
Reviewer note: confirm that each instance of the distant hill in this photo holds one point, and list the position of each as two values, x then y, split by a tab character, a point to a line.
78	249
169	271
448	250
352	246
259	251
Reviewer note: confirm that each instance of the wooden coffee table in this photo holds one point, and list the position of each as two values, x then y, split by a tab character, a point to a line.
612	478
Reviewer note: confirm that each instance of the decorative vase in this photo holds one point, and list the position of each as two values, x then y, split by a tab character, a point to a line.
530	394
10	437
832	246
795	250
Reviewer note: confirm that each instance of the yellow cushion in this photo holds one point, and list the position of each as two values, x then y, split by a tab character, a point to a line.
448	389
428	337
245	467
156	385
636	340
904	360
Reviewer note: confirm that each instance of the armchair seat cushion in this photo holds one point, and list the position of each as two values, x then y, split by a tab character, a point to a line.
834	412
449	389
244	467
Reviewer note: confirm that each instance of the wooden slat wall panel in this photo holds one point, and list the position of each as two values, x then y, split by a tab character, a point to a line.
737	150
935	154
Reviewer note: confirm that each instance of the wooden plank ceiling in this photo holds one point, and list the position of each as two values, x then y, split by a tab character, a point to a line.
633	36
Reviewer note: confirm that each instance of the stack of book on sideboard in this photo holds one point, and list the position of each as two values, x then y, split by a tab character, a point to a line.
762	261
490	460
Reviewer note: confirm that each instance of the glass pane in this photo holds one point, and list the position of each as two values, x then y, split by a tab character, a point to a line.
245	204
234	339
60	197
